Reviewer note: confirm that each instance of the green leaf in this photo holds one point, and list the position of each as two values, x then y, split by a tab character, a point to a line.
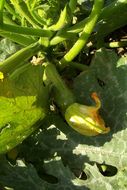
108	22
19	176
22	106
107	76
26	177
66	179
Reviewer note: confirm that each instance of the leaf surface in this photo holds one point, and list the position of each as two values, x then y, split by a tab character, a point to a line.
22	105
106	76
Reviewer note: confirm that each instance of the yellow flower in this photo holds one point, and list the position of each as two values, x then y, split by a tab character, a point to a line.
86	119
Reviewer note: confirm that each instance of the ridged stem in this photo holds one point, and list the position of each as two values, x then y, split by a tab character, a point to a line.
25	30
63	96
18	38
77	47
72	5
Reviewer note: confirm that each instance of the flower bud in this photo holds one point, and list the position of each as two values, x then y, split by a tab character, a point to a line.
86	119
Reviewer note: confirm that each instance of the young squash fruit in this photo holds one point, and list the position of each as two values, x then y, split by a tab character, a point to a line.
23	100
86	119
82	118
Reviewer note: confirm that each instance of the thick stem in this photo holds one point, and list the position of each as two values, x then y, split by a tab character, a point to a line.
79	66
106	12
63	96
25	30
69	33
62	36
18	38
77	47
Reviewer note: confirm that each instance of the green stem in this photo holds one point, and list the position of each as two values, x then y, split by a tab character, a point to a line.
77	47
116	44
25	30
79	66
1	10
33	4
63	96
72	5
23	11
38	19
62	36
18	38
9	64
106	13
62	21
11	10
34	14
69	33
78	27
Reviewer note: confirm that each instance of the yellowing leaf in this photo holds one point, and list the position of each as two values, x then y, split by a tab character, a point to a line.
22	106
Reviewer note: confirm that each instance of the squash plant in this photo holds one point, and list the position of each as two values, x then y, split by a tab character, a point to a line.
28	27
50	43
88	122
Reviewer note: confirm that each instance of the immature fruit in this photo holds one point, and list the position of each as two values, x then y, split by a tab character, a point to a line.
86	119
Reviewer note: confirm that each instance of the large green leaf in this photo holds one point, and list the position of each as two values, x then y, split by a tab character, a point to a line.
107	76
26	177
19	177
22	104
